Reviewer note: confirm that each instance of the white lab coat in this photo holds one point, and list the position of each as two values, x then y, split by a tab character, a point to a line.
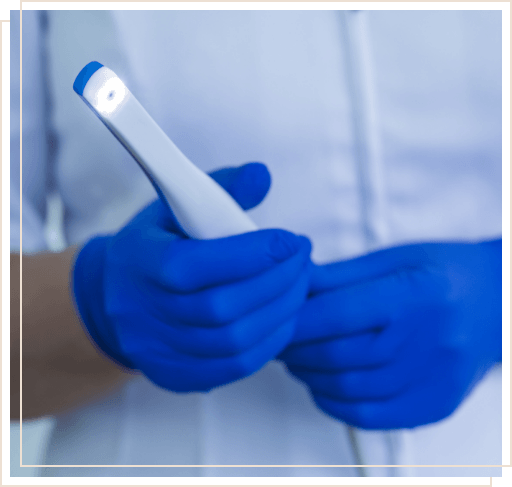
378	128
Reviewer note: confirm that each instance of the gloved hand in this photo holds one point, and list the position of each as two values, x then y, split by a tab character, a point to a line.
193	314
398	338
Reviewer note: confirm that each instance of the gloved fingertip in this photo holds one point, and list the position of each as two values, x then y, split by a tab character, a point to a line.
250	185
306	244
283	245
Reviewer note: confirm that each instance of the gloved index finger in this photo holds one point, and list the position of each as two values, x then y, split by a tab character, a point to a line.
192	265
356	309
372	266
247	184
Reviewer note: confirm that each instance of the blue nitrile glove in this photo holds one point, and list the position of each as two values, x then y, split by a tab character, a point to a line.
398	338
193	314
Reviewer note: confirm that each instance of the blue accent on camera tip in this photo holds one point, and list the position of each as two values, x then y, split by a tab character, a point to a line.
84	76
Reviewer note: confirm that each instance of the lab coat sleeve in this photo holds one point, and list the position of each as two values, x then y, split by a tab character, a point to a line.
32	203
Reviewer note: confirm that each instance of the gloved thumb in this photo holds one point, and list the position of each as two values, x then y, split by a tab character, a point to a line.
247	184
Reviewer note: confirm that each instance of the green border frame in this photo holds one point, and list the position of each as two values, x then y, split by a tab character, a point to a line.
503	481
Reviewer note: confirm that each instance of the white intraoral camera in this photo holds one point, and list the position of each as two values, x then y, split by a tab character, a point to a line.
202	207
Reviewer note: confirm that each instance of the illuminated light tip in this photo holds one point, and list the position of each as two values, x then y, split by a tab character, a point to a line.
109	96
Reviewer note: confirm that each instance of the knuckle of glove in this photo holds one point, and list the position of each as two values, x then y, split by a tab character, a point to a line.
217	307
384	352
235	340
347	386
178	268
118	304
331	356
282	245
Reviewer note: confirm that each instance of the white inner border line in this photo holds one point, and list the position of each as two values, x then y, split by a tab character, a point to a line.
21	232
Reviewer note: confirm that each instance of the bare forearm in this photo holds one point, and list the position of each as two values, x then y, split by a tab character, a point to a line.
62	369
